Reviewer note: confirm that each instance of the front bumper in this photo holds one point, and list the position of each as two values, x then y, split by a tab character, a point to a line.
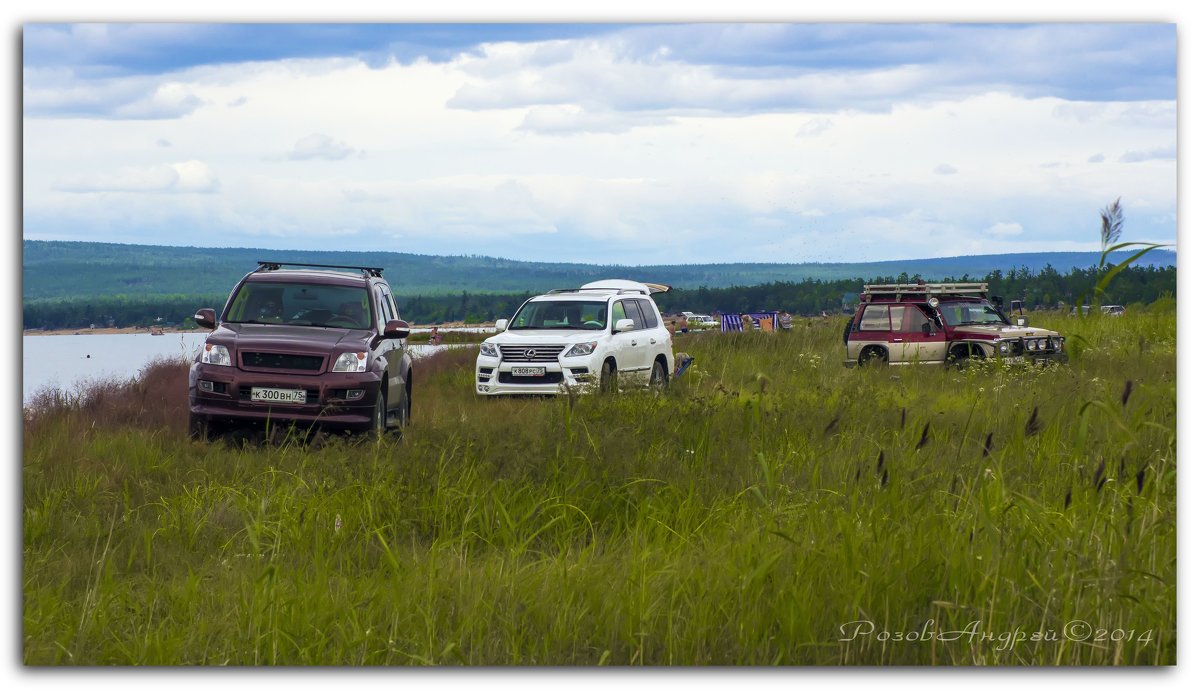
496	377
1039	359
329	401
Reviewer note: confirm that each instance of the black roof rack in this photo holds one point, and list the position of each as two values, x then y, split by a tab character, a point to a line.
276	265
609	290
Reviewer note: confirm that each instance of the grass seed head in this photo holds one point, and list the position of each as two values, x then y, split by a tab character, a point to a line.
924	436
1098	478
1032	426
1128	391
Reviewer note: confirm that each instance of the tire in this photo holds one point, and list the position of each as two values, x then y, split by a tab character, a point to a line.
658	378
199	428
873	357
608	377
379	417
959	361
404	409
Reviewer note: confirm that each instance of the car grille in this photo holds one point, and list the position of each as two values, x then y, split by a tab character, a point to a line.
522	353
274	362
552	377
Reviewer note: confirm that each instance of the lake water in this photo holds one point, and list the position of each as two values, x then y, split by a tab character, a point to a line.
66	361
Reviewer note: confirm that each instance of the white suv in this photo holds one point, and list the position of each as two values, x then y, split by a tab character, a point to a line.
606	334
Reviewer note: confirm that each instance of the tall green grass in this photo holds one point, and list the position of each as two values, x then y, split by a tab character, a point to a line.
766	510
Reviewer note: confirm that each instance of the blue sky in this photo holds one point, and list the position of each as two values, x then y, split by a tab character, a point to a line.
608	143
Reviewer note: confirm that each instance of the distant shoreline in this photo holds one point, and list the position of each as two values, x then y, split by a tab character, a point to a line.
141	330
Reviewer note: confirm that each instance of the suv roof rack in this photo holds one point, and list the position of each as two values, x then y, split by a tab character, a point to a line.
614	290
945	289
266	266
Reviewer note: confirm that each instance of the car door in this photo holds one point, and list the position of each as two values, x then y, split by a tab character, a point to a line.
659	338
625	344
920	340
873	328
391	350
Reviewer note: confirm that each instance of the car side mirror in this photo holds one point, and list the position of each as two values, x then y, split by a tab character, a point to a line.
623	326
206	318
396	330
1022	321
502	325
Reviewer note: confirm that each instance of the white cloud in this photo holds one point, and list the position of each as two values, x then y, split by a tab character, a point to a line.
570	119
814	127
191	177
1164	153
945	169
1097	158
320	147
1005	229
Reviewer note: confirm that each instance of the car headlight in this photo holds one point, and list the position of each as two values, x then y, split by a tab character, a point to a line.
1004	347
215	354
350	362
488	349
581	349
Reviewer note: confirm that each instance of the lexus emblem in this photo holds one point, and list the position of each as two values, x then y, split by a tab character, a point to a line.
530	353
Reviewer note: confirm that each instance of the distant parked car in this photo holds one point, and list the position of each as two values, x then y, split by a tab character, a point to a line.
701	322
602	335
306	345
942	323
1112	310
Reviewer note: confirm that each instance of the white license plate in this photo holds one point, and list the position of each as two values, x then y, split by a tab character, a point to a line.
277	395
529	370
1014	359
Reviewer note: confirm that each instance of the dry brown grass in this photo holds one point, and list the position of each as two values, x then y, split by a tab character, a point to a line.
155	398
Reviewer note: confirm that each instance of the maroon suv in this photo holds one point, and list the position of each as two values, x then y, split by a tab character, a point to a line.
309	345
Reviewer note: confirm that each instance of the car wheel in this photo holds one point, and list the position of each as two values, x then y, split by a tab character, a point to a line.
199	427
404	409
959	358
379	418
658	378
873	357
608	377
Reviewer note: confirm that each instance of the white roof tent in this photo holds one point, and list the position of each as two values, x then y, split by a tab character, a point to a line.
941	289
618	286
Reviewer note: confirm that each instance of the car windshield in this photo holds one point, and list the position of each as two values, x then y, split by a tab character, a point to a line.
970	313
561	315
329	306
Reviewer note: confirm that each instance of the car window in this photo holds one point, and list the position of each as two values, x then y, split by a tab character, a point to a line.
907	318
389	305
299	303
970	313
649	313
381	308
618	311
632	311
560	315
875	317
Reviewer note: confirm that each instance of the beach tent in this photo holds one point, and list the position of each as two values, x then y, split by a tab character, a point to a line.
731	322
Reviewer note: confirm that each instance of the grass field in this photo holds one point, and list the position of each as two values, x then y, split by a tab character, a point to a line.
773	508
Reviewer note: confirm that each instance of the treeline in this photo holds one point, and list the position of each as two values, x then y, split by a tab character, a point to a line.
1048	288
63	270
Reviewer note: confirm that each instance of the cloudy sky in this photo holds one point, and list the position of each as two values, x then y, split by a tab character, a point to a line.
601	143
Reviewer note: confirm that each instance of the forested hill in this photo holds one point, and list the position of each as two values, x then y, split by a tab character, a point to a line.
68	270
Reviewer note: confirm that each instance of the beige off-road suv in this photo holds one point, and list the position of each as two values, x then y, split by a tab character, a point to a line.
939	324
